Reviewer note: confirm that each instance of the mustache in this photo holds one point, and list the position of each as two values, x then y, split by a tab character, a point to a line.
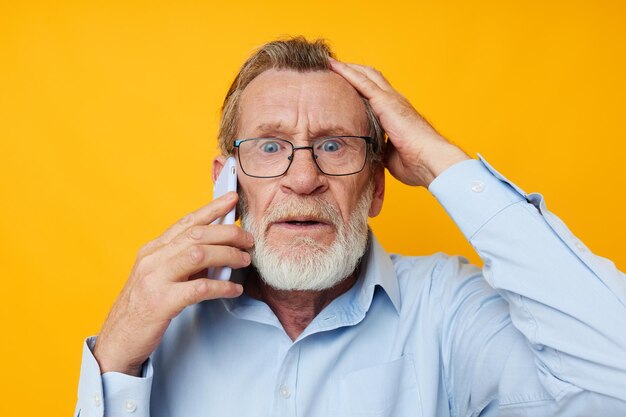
297	207
310	207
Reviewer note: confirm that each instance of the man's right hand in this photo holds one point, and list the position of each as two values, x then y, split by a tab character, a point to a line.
159	286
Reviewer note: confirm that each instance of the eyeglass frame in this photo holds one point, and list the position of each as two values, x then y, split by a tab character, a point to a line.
368	141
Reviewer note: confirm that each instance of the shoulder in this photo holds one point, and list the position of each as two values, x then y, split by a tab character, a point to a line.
439	278
435	271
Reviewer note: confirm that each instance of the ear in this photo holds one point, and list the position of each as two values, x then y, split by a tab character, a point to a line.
379	191
218	164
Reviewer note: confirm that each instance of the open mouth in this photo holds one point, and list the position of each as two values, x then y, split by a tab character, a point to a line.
303	222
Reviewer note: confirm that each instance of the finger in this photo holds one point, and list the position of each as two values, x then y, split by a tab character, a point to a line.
222	234
211	235
359	79
183	294
204	215
198	257
390	153
375	76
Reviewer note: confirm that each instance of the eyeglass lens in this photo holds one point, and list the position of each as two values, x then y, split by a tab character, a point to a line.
270	157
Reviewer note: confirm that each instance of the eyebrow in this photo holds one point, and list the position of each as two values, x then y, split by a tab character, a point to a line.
267	128
276	128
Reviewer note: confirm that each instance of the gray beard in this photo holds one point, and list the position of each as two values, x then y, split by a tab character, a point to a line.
304	263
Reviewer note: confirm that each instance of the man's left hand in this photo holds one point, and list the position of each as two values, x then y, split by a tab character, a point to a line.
416	152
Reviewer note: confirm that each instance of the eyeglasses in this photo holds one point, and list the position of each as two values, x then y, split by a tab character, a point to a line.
333	155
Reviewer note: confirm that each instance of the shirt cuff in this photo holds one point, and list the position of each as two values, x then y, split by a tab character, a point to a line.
472	192
119	394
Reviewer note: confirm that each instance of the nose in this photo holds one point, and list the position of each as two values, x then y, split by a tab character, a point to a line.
303	176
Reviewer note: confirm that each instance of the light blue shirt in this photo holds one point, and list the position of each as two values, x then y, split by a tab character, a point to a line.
539	331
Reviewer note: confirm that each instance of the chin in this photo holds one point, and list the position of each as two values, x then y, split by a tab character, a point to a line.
300	248
304	264
306	240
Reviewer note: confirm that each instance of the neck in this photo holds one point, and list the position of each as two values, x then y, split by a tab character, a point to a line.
295	309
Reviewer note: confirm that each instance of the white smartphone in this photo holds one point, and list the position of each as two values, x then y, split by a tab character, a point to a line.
225	182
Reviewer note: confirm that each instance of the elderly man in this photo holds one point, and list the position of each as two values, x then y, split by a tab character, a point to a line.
318	320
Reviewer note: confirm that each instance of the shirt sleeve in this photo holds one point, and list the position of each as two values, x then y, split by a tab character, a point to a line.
569	304
111	394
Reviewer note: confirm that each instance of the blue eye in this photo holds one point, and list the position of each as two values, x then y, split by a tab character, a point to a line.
331	146
270	147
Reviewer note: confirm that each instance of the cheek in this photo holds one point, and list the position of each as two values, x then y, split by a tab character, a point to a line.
346	196
257	194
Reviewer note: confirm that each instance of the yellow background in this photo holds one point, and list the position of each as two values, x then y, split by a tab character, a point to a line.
109	110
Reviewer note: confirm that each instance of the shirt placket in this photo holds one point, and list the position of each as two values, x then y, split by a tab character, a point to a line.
285	389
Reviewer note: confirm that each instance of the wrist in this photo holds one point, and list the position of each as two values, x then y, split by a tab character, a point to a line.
436	159
109	362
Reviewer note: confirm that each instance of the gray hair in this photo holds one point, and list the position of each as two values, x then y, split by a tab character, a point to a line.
296	54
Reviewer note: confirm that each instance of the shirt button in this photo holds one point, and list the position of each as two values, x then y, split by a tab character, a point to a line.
130	406
97	400
580	246
477	186
284	392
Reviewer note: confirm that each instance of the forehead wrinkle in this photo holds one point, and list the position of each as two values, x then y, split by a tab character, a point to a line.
304	110
330	117
315	125
326	123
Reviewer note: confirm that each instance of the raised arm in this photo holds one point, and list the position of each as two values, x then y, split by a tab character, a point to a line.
569	305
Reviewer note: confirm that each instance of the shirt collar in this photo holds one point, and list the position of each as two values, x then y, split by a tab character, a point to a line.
377	270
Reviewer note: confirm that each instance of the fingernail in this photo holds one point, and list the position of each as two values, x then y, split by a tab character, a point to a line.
231	195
